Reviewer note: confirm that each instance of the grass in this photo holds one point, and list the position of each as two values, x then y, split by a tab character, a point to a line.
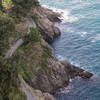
7	3
28	58
33	36
7	28
17	94
44	58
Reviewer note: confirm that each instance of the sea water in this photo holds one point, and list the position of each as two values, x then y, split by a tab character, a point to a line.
79	43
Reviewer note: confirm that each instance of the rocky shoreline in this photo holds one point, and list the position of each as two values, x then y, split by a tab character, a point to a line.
40	73
58	72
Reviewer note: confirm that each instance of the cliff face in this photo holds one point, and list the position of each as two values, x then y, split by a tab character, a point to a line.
34	70
46	22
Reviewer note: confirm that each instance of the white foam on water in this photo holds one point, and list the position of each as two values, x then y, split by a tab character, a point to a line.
83	34
65	90
74	63
70	29
61	58
65	14
96	38
69	88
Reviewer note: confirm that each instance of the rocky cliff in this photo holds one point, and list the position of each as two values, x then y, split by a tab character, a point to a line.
32	72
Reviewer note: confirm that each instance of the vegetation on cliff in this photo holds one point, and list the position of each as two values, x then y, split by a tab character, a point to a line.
8	70
9	83
7	28
31	54
24	61
33	60
32	36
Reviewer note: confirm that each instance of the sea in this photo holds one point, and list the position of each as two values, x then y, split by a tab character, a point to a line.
79	43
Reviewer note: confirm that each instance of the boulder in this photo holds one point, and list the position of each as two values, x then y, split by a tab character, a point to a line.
46	20
85	75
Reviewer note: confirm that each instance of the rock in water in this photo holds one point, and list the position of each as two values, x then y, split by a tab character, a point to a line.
85	75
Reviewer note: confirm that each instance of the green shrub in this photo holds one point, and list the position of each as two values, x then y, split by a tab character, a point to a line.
8	76
45	56
17	94
33	36
6	2
26	3
9	83
35	18
7	27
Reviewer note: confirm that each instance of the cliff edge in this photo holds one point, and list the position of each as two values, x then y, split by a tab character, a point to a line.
29	70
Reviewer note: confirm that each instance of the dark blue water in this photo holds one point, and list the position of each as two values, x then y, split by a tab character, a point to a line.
80	44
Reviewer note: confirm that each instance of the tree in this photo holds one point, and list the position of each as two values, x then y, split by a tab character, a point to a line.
1	5
25	3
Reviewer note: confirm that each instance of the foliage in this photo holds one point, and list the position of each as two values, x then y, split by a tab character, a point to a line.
18	11
7	3
26	3
7	27
9	83
29	56
35	19
17	94
1	5
33	36
45	56
8	76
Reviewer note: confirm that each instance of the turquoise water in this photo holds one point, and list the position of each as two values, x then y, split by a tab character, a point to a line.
80	44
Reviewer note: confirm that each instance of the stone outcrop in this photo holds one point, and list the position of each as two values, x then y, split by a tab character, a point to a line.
43	71
53	74
33	94
56	76
38	71
46	22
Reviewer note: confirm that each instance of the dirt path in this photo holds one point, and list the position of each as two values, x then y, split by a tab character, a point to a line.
13	48
20	41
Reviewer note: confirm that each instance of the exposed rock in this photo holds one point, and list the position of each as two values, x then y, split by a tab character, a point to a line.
23	27
51	80
47	96
46	22
34	94
52	76
86	75
54	18
57	76
72	70
35	60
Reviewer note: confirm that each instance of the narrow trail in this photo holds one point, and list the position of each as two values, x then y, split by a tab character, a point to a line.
14	47
31	22
20	41
10	52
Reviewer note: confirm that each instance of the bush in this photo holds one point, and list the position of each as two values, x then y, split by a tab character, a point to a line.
33	36
18	11
26	3
45	56
8	76
6	3
7	27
